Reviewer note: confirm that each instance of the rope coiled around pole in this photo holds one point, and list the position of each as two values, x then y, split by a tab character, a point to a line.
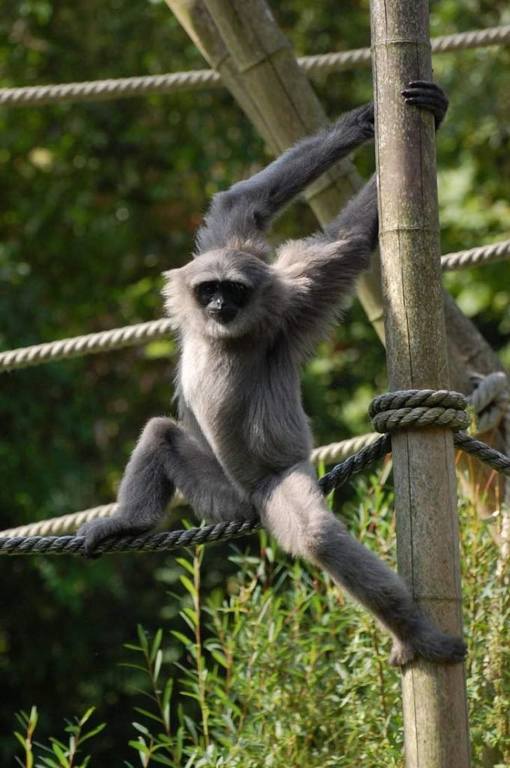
398	406
125	87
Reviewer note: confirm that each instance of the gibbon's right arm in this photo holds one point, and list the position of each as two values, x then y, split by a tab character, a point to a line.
244	212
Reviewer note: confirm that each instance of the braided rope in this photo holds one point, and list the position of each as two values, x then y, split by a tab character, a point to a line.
89	344
141	333
408	408
440	402
102	90
473	257
427	407
484	452
327	454
154	542
113	88
62	524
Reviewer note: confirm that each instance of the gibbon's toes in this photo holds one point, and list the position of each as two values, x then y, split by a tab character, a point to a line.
94	534
98	531
442	649
449	650
436	646
401	653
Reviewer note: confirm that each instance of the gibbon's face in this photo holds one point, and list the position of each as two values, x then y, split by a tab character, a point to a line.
222	300
223	294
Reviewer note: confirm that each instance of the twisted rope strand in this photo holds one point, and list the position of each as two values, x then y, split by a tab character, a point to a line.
482	451
118	88
89	344
490	400
166	541
485	254
112	88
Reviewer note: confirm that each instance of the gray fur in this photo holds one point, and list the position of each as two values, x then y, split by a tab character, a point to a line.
242	443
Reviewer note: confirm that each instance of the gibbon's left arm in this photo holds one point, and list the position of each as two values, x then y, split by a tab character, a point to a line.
243	213
320	271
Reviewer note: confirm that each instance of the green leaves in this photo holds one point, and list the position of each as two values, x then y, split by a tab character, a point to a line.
58	754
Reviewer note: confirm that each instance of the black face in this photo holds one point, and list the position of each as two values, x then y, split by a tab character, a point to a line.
222	299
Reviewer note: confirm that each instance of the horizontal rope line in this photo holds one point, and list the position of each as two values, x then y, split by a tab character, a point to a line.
473	257
91	343
126	87
327	454
141	333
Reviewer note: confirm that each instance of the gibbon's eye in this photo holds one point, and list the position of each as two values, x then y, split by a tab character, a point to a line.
205	291
237	293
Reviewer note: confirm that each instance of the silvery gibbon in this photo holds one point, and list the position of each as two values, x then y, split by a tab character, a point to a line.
245	324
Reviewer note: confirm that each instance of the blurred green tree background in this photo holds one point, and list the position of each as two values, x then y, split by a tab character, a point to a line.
97	200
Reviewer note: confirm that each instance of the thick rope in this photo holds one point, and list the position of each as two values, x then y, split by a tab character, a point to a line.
399	405
419	408
408	409
89	344
490	400
102	90
141	333
474	257
326	454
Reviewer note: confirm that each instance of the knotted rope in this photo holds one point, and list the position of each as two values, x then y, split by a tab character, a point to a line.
397	410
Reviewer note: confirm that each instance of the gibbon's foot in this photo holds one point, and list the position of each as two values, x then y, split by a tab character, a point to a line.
427	95
97	531
430	644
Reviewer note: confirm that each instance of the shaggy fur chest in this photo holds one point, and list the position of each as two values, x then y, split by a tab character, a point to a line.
248	407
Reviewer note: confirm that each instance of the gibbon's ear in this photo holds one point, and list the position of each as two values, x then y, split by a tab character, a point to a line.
177	296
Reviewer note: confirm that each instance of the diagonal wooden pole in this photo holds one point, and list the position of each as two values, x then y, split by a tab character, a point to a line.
434	699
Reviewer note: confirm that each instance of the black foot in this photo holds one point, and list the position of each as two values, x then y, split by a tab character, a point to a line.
430	644
98	531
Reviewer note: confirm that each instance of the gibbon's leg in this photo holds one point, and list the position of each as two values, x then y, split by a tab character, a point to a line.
166	456
292	508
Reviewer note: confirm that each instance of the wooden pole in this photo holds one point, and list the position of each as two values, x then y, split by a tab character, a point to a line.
434	699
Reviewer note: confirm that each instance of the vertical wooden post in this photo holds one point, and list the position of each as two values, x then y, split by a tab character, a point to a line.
434	700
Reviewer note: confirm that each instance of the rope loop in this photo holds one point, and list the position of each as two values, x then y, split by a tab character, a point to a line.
419	408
